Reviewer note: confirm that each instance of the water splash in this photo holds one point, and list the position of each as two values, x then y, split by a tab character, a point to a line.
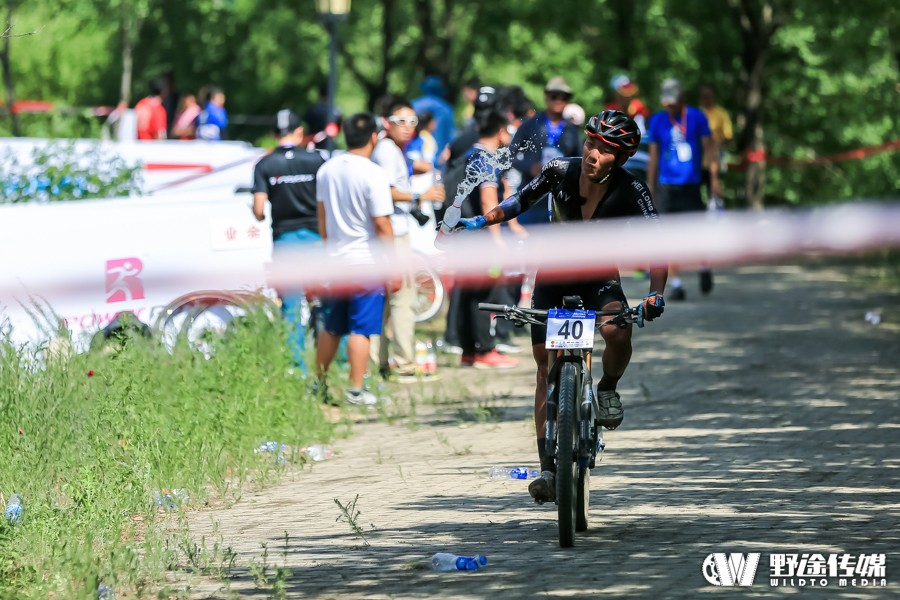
482	166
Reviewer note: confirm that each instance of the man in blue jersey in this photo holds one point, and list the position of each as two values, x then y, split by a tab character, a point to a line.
679	139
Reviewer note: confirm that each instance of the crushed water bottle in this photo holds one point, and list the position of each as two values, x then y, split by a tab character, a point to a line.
14	508
445	562
512	473
104	592
317	453
275	447
168	500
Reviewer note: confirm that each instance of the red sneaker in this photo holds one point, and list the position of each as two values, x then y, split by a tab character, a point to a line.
494	360
467	360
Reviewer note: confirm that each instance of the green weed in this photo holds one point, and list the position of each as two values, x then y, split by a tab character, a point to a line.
87	439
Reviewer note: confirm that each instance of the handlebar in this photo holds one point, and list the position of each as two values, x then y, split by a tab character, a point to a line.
520	316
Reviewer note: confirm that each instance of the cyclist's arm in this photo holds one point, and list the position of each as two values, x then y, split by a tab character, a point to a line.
659	274
521	201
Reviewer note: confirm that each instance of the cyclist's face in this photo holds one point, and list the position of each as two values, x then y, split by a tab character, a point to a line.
597	159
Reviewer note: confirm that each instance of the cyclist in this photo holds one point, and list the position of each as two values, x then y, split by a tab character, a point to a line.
593	187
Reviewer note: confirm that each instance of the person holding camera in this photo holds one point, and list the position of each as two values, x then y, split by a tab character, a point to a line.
394	352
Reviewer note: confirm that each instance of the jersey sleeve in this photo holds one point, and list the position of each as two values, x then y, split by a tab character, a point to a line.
642	201
551	175
260	181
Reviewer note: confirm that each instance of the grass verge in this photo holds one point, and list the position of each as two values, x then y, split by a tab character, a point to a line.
87	440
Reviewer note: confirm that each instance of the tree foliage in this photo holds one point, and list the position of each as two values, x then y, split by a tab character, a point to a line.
801	78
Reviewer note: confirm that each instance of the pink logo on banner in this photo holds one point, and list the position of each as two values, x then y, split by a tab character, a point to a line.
122	281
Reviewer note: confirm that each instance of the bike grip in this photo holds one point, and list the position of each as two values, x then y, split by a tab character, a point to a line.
492	307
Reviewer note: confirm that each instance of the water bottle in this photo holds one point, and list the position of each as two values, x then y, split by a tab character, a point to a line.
445	562
14	508
317	453
512	473
451	218
430	358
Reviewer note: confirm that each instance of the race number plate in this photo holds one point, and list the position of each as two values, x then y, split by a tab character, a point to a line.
570	328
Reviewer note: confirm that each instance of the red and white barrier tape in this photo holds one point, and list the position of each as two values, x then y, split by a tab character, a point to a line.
579	249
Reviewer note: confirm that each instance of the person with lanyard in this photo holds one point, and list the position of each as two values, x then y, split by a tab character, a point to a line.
680	139
286	178
591	187
543	137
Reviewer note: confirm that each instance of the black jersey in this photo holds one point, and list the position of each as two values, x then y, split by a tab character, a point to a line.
288	176
626	195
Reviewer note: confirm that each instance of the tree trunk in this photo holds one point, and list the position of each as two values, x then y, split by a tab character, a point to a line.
8	78
132	19
757	25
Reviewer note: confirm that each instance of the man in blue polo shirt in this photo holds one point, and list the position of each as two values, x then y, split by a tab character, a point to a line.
679	138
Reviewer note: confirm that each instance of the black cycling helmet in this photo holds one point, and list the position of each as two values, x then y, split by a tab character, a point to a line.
616	129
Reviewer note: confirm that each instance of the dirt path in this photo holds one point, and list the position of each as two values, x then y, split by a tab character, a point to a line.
756	421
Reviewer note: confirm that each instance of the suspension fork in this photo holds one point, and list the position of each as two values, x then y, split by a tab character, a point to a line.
586	414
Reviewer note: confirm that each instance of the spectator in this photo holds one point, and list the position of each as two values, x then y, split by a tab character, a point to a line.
720	128
151	116
469	93
170	100
544	137
679	138
432	100
286	178
625	99
397	343
354	210
476	339
213	119
316	118
421	152
185	126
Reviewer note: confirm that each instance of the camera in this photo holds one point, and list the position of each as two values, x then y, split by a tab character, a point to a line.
420	217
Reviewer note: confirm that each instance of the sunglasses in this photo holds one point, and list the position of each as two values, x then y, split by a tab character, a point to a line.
407	121
557	96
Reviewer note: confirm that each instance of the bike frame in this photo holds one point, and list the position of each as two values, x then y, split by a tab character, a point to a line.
573	473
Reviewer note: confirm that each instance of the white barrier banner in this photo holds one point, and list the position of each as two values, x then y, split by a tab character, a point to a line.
89	260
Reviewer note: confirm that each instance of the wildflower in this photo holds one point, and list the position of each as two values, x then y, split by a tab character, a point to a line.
91	373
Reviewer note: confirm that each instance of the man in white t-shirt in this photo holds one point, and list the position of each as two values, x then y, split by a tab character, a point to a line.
354	208
397	343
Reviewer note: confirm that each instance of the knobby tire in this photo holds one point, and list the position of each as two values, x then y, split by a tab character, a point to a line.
566	458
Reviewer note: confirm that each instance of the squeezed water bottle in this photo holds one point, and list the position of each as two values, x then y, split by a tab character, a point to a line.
14	508
451	218
512	473
445	562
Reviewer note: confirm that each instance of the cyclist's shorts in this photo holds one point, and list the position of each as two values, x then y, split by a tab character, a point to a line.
359	314
595	295
679	198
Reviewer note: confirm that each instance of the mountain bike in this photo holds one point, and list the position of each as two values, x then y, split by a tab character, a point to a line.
572	433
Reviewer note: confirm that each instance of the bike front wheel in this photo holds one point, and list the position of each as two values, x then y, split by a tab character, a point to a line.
567	455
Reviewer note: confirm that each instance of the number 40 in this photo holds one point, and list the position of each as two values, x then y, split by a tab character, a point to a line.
576	330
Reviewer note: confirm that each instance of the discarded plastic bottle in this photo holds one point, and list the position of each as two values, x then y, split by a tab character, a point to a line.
14	508
168	500
512	473
445	562
317	453
104	592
